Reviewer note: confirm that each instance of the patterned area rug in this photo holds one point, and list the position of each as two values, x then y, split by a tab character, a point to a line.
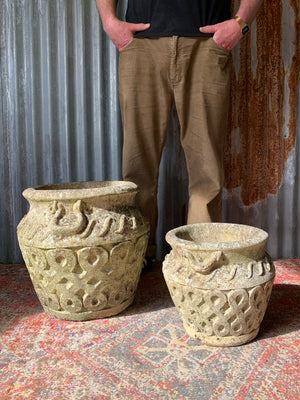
144	353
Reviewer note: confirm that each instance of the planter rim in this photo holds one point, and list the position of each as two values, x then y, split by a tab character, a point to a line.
256	236
79	190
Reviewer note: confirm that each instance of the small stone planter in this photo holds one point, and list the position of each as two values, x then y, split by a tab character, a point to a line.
220	280
83	244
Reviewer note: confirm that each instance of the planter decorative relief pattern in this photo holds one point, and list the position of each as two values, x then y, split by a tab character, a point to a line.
220	280
83	244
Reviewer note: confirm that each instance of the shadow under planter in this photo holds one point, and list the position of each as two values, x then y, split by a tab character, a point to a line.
84	244
220	280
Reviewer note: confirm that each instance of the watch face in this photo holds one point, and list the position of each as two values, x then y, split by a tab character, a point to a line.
245	30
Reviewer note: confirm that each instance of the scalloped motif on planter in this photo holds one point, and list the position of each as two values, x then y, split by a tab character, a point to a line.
84	256
220	280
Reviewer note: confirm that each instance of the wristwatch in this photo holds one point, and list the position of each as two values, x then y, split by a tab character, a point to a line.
243	25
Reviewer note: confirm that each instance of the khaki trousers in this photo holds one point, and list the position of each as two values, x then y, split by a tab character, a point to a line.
195	74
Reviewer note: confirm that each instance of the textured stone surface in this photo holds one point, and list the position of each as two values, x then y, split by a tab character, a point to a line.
220	280
83	244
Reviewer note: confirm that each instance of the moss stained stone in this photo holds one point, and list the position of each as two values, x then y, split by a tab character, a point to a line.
84	244
220	280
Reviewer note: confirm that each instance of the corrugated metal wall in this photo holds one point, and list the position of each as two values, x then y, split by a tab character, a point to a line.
60	120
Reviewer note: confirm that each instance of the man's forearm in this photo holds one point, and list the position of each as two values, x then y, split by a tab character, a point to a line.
228	33
107	11
248	10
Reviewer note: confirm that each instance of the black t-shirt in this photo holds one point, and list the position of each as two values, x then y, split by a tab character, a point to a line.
177	17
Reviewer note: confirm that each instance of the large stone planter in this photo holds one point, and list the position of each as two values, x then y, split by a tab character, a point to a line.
220	280
83	244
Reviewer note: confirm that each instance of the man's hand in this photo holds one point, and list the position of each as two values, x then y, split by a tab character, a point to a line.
121	33
226	34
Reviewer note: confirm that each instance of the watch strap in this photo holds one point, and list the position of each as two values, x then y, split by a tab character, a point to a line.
243	25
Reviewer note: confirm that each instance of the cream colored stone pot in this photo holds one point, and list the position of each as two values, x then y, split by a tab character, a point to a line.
83	244
220	280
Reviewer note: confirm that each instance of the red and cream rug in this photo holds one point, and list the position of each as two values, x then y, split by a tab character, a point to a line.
144	353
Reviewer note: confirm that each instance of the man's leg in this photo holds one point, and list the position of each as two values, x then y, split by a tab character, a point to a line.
145	100
202	99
